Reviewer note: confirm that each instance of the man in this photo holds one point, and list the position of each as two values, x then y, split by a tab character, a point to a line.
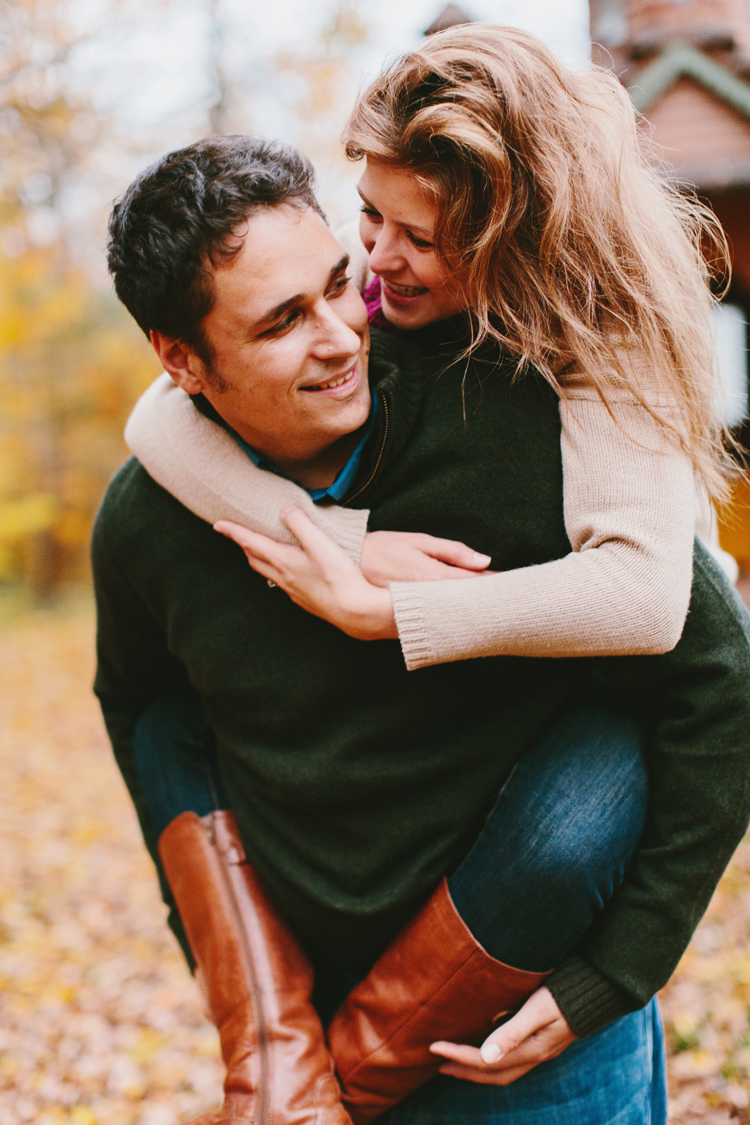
356	787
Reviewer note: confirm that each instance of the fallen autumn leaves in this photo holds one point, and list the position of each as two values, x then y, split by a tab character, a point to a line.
100	1023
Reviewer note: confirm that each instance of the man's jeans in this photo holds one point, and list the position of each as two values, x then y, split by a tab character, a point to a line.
552	850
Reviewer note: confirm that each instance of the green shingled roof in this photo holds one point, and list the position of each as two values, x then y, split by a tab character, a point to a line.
679	61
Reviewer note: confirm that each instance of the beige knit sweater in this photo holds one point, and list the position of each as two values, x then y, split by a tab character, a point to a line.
629	514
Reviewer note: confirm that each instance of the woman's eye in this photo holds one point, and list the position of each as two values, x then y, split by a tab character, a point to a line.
371	212
420	243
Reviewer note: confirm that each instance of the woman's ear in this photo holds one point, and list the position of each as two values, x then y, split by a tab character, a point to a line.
179	361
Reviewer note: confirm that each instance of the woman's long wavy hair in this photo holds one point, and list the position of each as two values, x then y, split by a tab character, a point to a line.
570	247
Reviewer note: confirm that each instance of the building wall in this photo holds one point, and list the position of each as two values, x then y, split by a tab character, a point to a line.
680	18
732	208
693	127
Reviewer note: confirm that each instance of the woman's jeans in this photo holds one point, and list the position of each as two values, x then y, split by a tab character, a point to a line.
552	850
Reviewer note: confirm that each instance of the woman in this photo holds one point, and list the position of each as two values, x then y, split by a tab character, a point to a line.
543	324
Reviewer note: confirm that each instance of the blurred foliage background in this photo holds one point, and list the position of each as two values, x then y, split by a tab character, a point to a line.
71	364
71	361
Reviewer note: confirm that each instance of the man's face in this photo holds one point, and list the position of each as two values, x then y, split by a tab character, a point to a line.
289	338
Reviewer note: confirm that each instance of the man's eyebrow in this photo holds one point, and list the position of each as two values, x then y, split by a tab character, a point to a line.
427	232
273	314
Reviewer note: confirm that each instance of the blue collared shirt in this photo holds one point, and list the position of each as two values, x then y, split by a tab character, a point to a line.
335	492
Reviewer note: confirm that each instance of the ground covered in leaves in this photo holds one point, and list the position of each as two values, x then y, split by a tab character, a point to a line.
100	1023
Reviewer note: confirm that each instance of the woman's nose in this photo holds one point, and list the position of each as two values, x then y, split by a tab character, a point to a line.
385	255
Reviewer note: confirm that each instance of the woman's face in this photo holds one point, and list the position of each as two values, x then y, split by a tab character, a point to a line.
397	227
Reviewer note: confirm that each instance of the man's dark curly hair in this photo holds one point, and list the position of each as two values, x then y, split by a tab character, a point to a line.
180	217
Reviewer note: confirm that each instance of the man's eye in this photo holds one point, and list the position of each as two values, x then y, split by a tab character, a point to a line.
340	285
420	243
287	322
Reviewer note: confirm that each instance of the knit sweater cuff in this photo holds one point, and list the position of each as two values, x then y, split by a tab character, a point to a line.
348	527
413	628
587	998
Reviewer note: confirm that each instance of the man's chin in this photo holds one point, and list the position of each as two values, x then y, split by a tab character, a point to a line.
346	415
349	422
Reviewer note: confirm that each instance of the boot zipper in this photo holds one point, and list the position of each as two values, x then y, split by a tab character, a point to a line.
256	992
370	479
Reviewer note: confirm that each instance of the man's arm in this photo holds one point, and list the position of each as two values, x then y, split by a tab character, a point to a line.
696	701
133	667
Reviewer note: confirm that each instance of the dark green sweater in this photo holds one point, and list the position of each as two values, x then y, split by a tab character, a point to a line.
358	785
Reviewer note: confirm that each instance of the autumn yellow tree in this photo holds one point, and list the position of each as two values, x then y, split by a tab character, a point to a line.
70	362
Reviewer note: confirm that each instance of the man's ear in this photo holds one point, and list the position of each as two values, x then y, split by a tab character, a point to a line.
179	362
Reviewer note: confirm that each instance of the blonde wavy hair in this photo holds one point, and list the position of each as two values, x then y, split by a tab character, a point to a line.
571	249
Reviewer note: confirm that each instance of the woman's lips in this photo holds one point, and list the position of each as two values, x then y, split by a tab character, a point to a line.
402	294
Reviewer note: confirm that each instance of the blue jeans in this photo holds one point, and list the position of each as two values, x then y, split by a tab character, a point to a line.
558	839
615	1077
552	850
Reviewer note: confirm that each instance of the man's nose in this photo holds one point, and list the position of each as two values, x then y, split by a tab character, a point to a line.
386	255
335	338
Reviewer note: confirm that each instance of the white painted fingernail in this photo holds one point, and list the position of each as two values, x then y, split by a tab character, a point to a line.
481	560
490	1053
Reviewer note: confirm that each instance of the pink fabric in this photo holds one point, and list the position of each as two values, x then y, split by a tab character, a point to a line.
373	301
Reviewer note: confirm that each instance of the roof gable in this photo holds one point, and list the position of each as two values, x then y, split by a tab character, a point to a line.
703	138
680	61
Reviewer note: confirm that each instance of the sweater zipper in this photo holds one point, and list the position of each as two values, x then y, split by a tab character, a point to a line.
256	992
371	477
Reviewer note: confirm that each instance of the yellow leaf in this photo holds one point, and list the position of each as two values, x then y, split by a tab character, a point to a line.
20	518
82	1116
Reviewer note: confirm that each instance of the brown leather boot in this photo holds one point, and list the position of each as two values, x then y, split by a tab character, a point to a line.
434	981
256	980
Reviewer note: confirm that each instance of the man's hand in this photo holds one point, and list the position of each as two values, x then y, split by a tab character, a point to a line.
319	576
401	556
537	1032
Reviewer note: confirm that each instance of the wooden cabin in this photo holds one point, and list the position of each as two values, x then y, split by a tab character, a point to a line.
686	64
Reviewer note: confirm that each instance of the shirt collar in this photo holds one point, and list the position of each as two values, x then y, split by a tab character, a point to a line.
335	492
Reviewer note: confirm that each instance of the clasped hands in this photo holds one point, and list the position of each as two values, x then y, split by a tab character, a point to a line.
321	578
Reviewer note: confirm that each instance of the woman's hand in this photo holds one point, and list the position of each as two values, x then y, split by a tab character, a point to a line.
318	576
537	1032
401	556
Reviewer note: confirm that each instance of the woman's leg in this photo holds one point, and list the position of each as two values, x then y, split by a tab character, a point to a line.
579	797
256	980
559	838
551	852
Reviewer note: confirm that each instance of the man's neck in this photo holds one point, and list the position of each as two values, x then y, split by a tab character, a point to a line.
320	471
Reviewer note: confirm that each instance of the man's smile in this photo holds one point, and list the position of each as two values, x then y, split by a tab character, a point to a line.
339	381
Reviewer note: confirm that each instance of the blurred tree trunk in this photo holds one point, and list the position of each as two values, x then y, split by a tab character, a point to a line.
218	112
